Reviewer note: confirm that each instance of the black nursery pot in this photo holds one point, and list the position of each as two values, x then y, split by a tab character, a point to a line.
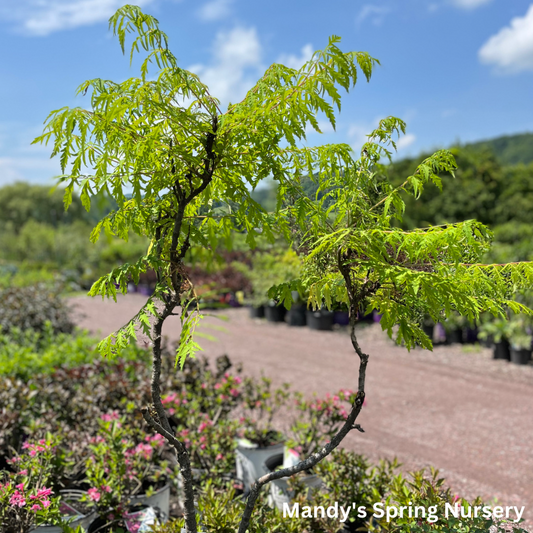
520	357
471	335
502	350
454	336
320	320
275	313
297	315
257	312
342	318
428	330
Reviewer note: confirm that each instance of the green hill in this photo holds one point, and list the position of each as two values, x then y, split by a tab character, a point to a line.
509	149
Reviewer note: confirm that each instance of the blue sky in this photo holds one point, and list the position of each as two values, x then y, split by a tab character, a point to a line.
454	70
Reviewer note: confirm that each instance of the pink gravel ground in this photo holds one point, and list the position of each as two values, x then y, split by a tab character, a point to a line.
463	413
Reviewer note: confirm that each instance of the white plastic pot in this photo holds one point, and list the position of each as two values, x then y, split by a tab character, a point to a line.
72	516
159	500
280	493
250	460
279	488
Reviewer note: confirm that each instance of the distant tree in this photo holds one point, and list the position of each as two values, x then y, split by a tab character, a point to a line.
21	202
474	193
508	149
515	203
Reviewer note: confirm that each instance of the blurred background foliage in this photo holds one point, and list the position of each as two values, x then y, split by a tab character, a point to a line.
40	242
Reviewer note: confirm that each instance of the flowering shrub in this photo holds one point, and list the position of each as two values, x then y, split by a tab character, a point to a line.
211	446
260	404
122	464
318	420
26	497
201	414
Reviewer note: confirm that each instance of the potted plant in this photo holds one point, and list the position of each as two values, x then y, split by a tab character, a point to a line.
320	319
454	327
259	441
316	421
520	339
297	314
497	331
124	471
428	327
27	501
268	269
341	317
192	169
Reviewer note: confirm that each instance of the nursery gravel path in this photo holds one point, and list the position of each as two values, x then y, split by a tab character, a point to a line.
464	413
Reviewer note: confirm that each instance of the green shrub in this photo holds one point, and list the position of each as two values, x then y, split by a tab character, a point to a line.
32	308
26	353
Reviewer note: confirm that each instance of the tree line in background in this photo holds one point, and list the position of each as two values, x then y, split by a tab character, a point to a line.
40	240
494	185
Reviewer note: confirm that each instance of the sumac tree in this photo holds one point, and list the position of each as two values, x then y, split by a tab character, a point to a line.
190	168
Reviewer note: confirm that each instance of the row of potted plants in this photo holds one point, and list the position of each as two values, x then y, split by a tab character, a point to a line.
299	315
512	339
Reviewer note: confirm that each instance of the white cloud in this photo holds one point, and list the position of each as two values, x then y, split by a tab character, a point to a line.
215	10
358	135
235	67
376	14
296	62
405	141
27	169
470	4
324	125
511	49
43	17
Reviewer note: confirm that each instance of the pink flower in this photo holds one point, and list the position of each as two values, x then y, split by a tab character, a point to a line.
23	472
217	386
35	507
17	499
94	495
44	492
20	486
234	392
169	398
106	488
219	457
144	449
108	417
238	380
